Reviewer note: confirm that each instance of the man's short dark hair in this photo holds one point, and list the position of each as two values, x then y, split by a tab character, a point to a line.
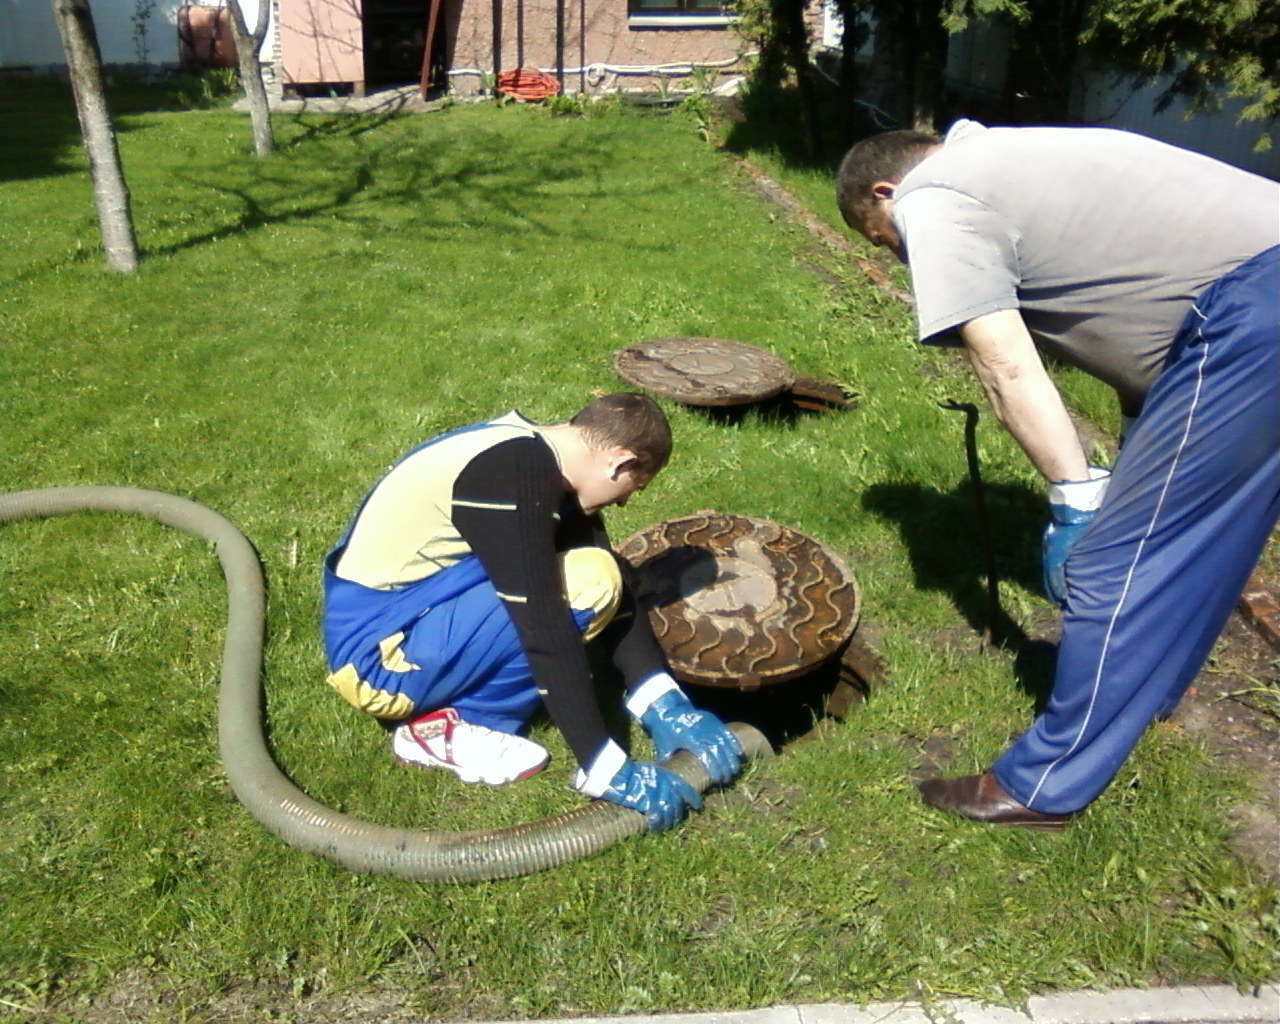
630	421
884	157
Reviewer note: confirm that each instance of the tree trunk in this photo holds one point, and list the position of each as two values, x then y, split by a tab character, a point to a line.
794	38
249	68
911	47
110	193
894	59
930	65
1042	63
853	35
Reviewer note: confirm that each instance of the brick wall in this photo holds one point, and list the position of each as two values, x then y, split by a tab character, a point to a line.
602	49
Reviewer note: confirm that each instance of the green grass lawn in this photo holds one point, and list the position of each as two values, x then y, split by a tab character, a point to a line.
297	322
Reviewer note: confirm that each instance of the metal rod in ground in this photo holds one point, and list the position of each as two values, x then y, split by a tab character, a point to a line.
984	523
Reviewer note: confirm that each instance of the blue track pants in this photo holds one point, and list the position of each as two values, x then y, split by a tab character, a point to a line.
1192	499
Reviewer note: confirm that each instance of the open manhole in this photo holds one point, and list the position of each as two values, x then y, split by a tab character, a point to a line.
741	602
715	372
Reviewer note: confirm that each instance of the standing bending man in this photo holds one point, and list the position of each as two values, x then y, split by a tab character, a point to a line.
461	593
1157	271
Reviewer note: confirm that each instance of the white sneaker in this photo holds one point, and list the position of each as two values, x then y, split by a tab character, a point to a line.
441	739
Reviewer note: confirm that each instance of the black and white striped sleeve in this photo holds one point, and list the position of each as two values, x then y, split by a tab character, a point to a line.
506	506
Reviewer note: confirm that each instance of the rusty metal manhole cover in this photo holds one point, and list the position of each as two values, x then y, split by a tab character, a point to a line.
703	371
741	602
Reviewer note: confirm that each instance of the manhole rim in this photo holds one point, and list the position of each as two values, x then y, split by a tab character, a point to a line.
768	677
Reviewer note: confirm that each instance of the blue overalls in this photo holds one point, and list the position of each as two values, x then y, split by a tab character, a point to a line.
444	641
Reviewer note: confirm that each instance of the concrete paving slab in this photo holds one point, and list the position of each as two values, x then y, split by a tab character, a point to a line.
1189	1005
1214	1005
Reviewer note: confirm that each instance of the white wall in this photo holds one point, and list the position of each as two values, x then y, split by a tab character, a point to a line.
28	36
27	33
832	29
978	57
1216	135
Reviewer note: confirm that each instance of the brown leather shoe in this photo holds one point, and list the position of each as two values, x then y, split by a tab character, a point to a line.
982	798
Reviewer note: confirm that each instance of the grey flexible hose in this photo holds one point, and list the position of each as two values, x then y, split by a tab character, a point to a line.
276	802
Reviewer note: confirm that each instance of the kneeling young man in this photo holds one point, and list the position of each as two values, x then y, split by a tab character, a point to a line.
461	593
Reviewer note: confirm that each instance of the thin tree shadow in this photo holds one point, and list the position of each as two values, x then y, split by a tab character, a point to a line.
323	125
486	182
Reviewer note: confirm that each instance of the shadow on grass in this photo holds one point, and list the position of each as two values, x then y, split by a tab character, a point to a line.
256	212
39	130
943	540
312	126
769	119
344	178
340	170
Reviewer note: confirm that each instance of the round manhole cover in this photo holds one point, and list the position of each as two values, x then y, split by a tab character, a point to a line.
703	371
741	602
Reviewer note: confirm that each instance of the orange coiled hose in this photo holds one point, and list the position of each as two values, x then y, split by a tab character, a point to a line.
528	84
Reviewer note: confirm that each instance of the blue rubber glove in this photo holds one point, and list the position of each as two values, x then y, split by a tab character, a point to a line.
673	723
656	792
1073	504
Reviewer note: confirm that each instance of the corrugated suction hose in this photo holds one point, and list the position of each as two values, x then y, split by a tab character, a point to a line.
276	802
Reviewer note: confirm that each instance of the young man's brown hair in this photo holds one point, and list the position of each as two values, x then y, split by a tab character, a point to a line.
630	421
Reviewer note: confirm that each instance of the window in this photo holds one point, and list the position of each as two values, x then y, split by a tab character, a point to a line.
680	13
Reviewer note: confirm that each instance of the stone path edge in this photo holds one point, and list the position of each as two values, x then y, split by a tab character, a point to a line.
1186	1005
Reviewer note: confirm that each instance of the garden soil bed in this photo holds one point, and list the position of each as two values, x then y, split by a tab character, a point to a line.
1232	709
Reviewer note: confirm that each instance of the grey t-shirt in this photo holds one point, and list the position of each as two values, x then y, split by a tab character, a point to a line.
1101	238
